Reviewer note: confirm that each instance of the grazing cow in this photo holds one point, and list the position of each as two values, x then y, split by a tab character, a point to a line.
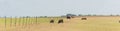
84	19
60	21
51	21
68	17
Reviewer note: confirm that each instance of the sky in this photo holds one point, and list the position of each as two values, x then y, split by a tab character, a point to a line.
58	7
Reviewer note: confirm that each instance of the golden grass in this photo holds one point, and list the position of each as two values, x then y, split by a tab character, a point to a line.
75	24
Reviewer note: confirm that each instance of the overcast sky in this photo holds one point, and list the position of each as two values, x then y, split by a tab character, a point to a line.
58	7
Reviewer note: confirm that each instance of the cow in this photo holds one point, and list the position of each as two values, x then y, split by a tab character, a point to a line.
51	21
60	21
68	17
84	19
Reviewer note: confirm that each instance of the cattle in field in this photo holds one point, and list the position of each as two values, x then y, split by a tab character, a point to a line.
68	17
51	21
83	18
60	21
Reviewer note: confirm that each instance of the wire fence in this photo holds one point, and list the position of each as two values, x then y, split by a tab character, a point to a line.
18	23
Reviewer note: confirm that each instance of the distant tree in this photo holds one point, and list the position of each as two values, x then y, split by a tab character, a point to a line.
63	16
111	15
101	15
27	16
117	15
94	15
45	16
71	15
89	15
41	16
80	15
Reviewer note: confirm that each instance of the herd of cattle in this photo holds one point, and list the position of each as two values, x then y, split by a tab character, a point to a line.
68	17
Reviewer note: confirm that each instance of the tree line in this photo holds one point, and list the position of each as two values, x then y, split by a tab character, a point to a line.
88	15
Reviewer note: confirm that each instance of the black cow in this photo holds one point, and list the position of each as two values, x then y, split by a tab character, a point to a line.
84	19
51	21
68	17
60	21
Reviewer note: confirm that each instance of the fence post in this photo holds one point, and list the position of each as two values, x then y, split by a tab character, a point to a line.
19	20
15	21
5	22
36	19
10	21
23	21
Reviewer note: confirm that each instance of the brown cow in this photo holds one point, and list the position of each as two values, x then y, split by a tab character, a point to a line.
51	21
84	19
60	21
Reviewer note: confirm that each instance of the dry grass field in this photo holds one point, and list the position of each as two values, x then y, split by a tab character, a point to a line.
93	23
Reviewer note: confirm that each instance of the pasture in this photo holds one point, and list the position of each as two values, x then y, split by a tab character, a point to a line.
93	23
